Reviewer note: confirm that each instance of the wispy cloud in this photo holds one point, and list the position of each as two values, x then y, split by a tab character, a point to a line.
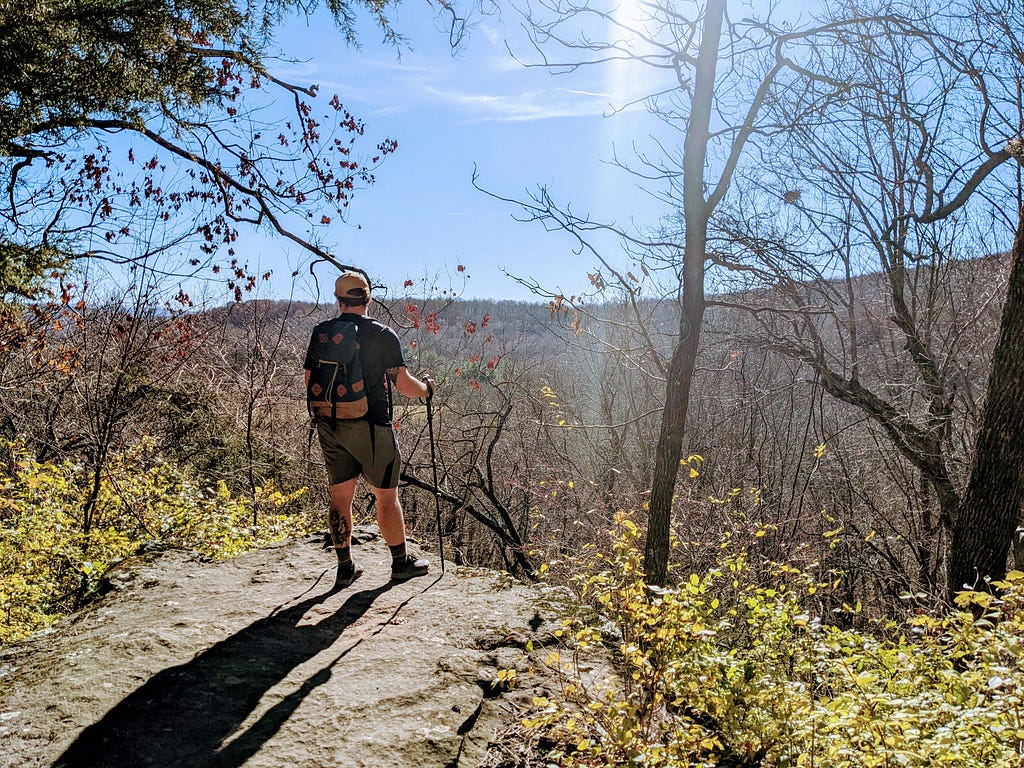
541	104
588	93
503	63
486	86
386	111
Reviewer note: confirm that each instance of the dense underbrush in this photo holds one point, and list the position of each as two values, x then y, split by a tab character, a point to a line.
51	562
738	667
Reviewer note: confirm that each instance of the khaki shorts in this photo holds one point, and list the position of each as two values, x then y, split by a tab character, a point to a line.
349	451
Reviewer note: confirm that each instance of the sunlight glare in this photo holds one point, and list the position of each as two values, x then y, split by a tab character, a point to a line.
627	79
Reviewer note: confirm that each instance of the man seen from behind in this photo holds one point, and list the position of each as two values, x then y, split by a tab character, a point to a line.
367	445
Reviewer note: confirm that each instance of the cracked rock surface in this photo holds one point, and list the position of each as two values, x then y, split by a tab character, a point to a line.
255	662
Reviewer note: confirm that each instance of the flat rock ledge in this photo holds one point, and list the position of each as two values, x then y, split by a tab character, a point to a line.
255	662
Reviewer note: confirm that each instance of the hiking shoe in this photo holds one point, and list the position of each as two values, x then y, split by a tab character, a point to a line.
408	568
345	580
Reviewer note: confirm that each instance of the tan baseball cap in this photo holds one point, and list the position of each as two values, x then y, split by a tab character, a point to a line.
351	285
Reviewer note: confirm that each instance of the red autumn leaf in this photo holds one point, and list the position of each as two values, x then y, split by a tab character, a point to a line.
461	268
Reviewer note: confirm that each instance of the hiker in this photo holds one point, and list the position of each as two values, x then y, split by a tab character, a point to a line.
355	444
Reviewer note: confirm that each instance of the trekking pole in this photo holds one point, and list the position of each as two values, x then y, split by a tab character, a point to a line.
433	465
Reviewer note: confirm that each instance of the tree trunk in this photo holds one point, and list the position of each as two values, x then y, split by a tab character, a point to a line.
984	526
684	357
666	462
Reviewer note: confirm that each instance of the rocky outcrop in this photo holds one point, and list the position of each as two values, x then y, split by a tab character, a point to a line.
255	662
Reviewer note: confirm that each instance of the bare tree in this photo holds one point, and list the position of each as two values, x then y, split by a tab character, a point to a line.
725	76
912	160
991	509
255	385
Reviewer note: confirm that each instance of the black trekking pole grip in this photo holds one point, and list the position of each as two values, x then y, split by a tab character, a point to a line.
433	465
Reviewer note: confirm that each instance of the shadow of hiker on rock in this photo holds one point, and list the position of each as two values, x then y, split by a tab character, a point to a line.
183	715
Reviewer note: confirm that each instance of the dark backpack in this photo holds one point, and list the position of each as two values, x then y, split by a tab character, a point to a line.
335	385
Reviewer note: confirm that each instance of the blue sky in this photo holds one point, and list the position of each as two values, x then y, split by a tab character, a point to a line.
520	127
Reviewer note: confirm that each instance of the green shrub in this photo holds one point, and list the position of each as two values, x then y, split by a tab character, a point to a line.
49	565
728	668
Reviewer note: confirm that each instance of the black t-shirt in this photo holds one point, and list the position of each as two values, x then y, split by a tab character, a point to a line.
379	350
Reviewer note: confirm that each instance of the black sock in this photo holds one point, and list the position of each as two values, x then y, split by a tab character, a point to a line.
344	559
398	552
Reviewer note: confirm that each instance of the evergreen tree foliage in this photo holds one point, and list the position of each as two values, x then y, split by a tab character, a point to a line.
180	75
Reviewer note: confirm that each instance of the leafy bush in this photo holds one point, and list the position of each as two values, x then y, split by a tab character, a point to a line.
49	564
729	668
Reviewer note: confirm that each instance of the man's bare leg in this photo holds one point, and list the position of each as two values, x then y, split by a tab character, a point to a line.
390	518
392	527
339	520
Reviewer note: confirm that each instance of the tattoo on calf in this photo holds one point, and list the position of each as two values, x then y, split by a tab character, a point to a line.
340	527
